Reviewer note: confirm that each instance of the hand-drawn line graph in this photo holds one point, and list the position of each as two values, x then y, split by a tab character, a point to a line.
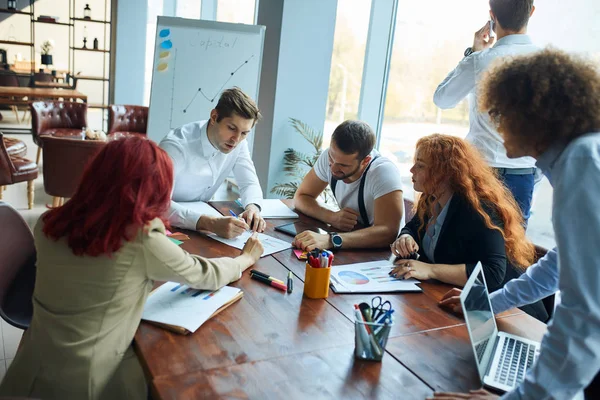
208	98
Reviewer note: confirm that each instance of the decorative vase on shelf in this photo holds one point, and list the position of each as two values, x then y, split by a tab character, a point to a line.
46	59
84	37
87	12
95	43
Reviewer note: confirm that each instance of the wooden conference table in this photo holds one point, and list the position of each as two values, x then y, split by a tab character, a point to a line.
275	345
24	95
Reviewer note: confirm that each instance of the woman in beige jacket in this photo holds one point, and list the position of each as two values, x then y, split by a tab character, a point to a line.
97	257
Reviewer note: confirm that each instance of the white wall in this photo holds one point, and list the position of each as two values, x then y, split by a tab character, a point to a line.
130	51
294	79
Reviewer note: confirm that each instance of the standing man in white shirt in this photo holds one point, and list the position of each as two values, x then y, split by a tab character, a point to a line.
546	106
204	153
366	185
509	19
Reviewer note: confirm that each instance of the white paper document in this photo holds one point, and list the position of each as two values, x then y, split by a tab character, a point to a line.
201	207
274	208
270	244
369	277
180	305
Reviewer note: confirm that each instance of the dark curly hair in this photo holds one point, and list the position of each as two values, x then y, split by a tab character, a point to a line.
543	98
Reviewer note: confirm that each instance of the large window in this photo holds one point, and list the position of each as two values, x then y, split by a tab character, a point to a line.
347	61
238	11
428	45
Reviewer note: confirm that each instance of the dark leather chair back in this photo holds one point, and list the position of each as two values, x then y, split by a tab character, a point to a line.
17	268
64	162
9	79
40	77
127	119
6	166
48	115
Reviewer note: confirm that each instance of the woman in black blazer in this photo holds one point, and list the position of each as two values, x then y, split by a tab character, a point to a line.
464	216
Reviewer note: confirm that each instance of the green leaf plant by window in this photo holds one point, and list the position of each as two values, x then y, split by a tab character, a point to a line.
297	164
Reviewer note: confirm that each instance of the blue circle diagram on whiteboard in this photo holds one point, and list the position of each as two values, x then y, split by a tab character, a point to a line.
353	278
166	45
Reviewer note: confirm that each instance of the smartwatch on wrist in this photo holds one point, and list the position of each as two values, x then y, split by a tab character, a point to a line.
336	240
468	51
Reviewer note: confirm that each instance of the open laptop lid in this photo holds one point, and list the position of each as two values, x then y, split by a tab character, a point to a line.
481	324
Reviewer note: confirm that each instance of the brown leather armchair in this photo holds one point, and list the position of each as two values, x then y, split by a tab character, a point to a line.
9	78
15	147
64	162
16	169
127	119
57	118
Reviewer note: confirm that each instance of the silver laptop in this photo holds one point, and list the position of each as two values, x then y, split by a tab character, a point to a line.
502	359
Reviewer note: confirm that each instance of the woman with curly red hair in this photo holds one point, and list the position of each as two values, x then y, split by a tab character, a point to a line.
464	215
97	257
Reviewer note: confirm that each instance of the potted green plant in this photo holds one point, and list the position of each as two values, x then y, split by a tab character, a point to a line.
297	164
47	47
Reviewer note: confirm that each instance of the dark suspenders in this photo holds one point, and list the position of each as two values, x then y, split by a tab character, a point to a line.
361	193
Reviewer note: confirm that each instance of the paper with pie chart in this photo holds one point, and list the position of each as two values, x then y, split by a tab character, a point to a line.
369	277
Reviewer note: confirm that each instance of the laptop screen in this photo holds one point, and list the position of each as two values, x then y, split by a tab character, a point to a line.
480	318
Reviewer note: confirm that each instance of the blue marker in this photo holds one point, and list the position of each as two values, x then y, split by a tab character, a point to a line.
232	214
239	203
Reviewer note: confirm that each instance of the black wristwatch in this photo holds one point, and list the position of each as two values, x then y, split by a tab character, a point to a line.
336	240
468	51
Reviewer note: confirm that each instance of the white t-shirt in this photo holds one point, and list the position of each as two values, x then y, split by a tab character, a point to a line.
382	178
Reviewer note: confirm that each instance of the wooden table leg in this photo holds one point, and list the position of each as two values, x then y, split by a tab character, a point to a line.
30	194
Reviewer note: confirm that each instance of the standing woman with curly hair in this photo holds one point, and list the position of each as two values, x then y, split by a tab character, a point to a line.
464	215
547	106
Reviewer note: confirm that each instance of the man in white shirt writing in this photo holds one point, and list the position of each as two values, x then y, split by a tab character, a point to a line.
204	153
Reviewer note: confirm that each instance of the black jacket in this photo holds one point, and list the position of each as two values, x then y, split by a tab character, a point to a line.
465	239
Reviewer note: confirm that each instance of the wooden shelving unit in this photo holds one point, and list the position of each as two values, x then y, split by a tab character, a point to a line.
51	23
102	55
90	20
94	80
16	43
7	11
96	50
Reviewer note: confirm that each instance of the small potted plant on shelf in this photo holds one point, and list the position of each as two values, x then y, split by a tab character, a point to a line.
47	47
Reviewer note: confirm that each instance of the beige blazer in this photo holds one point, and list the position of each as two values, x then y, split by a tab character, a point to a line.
86	311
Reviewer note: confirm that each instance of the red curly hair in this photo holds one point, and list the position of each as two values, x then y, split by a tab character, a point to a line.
124	187
451	160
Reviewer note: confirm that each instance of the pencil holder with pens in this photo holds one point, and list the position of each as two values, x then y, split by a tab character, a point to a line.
316	282
370	339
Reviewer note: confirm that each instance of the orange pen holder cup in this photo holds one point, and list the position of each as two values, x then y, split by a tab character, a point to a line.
316	282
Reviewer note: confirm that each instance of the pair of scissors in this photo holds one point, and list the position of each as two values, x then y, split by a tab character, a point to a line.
379	307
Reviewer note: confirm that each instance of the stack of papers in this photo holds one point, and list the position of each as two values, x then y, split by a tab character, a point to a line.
369	277
270	244
183	309
276	209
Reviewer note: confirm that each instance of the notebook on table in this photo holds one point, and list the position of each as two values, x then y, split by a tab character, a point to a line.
183	310
502	358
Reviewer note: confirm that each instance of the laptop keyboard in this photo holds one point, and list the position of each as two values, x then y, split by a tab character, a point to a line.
481	349
515	359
